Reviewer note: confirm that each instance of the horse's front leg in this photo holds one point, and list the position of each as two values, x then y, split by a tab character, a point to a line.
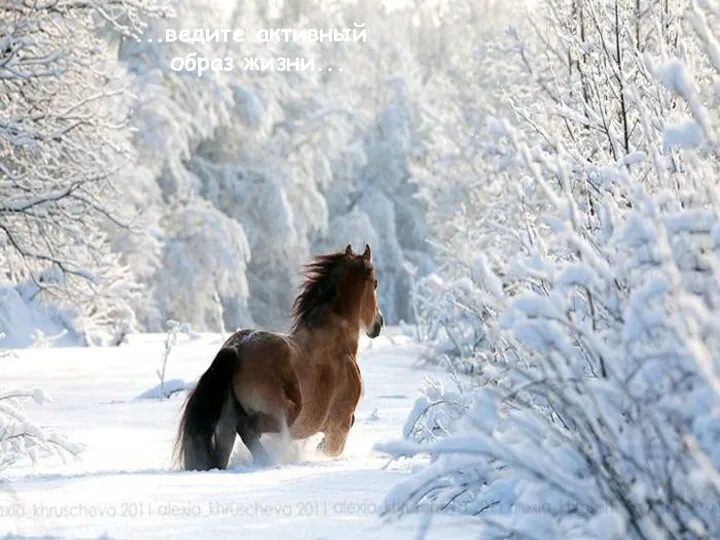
336	434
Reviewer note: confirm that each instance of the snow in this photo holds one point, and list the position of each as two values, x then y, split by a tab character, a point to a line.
549	222
165	389
25	322
674	76
702	27
122	485
686	133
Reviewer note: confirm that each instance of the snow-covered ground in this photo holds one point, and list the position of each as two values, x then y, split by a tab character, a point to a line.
123	486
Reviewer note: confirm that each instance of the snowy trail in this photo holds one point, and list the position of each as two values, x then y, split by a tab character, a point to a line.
123	486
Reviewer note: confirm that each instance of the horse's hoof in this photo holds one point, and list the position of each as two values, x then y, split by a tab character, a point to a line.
322	447
260	457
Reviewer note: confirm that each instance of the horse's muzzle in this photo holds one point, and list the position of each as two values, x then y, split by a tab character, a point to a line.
377	326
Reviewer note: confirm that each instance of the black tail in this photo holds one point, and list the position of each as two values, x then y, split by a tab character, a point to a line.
207	429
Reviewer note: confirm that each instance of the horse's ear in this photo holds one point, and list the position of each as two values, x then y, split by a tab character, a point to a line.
366	254
348	250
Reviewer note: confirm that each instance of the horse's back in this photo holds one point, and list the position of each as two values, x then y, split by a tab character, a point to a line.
255	338
265	381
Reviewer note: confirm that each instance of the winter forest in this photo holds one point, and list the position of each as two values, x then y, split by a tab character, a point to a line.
538	180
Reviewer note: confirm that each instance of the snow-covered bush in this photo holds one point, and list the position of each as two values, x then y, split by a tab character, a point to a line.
595	413
603	421
465	173
20	439
437	412
23	318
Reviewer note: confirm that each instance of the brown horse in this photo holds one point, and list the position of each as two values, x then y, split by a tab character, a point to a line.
305	382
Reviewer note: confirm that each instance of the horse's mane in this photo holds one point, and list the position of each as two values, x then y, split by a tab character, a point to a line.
320	288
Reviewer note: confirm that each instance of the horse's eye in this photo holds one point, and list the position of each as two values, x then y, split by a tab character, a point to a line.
375	283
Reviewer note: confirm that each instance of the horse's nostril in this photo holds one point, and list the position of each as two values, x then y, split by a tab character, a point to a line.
382	320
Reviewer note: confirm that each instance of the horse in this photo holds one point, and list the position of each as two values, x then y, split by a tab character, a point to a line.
301	383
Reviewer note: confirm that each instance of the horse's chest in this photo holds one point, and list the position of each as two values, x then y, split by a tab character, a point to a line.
357	375
352	380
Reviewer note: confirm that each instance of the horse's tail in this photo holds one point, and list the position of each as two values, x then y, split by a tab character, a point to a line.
210	400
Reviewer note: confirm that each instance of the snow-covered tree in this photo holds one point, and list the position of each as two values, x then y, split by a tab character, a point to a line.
173	112
300	161
374	195
466	168
63	151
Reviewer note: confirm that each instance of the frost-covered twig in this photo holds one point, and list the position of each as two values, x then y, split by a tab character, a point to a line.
174	328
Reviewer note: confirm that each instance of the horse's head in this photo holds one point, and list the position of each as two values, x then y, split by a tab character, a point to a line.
342	283
361	274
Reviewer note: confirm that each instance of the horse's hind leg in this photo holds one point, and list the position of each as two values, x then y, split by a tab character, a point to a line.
248	428
225	434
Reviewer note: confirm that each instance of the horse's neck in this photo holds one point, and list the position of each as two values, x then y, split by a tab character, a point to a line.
340	337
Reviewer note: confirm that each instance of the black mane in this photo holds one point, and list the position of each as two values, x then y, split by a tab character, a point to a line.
319	290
